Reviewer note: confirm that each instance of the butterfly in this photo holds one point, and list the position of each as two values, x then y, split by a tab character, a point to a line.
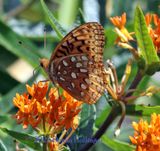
77	63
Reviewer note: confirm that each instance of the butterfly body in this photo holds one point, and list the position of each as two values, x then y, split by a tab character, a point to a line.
77	63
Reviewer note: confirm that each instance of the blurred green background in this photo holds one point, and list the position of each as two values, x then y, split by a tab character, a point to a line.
25	21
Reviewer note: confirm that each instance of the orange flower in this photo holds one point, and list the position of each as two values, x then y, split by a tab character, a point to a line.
26	106
147	136
156	19
155	30
54	146
148	18
64	110
119	22
23	102
70	115
38	91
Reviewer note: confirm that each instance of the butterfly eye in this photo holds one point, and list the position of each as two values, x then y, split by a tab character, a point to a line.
41	64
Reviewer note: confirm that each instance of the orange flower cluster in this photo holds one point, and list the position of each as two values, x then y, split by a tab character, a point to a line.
124	36
48	114
119	22
147	136
154	30
55	111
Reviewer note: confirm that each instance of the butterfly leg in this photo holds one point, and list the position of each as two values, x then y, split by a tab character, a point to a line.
46	80
113	76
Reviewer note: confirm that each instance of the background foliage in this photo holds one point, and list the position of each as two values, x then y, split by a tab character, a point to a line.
25	20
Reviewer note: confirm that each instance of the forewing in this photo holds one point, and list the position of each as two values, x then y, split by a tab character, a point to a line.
78	75
88	38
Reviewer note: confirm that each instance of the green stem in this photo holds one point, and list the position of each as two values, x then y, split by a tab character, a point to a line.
44	146
45	141
44	125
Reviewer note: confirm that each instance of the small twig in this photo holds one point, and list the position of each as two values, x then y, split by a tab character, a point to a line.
18	10
135	83
113	114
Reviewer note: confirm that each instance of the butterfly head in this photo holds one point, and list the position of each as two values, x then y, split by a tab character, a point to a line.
44	64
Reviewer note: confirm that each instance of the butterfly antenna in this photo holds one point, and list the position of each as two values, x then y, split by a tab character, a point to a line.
45	37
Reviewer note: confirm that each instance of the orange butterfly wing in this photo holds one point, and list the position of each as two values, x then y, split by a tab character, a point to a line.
78	62
87	38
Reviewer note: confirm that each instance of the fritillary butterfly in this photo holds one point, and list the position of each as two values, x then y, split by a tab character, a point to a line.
77	63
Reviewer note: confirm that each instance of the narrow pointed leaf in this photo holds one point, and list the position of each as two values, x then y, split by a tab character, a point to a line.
9	40
53	22
144	40
141	110
25	139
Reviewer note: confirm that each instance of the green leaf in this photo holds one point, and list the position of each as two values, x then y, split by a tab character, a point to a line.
71	8
85	128
88	116
153	68
25	139
9	39
100	119
144	40
81	17
116	145
4	118
142	85
136	110
54	23
2	146
141	110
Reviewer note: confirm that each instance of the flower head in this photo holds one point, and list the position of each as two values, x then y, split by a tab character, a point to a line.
147	135
119	23
49	113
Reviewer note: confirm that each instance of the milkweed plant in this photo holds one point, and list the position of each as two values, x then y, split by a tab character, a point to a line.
55	116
